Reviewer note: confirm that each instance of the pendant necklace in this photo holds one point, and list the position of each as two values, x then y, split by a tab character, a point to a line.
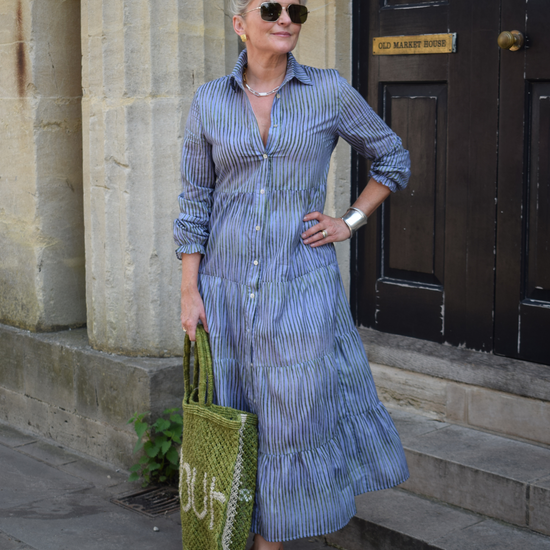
254	92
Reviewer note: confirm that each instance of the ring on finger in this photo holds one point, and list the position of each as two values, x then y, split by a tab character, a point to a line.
324	233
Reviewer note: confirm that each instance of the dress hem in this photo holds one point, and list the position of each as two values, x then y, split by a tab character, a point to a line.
319	534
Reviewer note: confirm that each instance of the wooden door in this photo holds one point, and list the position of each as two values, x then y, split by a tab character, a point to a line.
431	263
522	308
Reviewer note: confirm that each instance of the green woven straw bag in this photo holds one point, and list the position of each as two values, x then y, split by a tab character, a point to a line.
218	463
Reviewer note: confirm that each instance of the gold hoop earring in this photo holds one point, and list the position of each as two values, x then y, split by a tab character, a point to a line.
243	37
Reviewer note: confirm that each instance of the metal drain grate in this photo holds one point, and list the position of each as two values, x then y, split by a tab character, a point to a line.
151	502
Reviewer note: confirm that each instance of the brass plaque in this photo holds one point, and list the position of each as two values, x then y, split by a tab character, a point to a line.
420	44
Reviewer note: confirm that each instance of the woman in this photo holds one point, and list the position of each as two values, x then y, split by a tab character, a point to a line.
259	271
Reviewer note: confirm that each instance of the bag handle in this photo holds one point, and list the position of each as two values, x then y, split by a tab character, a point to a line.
203	375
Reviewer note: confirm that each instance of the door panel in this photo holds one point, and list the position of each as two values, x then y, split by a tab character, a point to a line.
522	298
537	257
415	235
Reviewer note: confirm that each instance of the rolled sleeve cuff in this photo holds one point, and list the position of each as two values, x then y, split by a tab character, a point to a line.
384	180
393	170
189	249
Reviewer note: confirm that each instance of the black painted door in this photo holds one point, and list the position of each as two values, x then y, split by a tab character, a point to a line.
522	312
444	260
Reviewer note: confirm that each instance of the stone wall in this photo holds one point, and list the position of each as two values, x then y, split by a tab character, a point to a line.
41	226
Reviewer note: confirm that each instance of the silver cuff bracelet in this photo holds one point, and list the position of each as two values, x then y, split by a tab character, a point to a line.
354	219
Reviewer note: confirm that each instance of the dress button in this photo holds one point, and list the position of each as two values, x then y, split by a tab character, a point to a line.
256	262
278	96
265	156
257	228
252	295
262	191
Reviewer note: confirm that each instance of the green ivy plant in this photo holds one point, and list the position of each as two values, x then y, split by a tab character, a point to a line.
160	442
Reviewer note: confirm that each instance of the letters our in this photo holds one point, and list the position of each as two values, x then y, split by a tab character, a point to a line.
208	496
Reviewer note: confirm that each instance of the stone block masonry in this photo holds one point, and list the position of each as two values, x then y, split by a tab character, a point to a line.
55	385
41	227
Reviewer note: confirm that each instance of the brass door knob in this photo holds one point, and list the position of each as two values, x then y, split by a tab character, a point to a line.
512	41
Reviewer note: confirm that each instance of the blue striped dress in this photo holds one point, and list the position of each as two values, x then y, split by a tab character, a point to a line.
283	340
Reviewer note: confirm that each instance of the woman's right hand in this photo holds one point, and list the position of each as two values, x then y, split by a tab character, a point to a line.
192	306
192	311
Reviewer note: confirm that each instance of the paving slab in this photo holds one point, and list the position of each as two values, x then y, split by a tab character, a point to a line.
52	499
48	453
14	438
8	542
87	521
99	475
24	479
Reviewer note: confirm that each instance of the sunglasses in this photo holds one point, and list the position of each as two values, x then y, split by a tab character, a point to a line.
271	11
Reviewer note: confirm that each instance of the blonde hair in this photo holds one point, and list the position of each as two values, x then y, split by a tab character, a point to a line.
238	7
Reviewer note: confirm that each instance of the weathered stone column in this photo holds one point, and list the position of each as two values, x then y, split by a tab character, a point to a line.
41	225
142	62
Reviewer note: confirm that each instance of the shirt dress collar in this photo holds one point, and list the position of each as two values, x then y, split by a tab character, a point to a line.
293	70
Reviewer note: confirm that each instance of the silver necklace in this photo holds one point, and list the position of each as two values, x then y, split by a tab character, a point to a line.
254	92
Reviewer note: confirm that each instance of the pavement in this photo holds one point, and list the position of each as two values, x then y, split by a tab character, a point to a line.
52	498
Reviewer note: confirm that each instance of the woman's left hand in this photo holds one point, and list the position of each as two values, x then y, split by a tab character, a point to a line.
335	228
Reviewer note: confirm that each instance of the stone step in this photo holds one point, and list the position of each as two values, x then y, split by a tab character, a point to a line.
492	475
397	520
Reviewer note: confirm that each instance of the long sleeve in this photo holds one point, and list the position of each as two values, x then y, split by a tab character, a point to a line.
370	136
198	181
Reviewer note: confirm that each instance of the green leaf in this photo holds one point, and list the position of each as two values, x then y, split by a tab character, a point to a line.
153	467
141	428
162	478
161	424
135	468
176	439
165	447
152	450
143	460
133	477
173	456
176	419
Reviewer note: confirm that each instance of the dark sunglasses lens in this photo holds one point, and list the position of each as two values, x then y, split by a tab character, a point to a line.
297	13
271	11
